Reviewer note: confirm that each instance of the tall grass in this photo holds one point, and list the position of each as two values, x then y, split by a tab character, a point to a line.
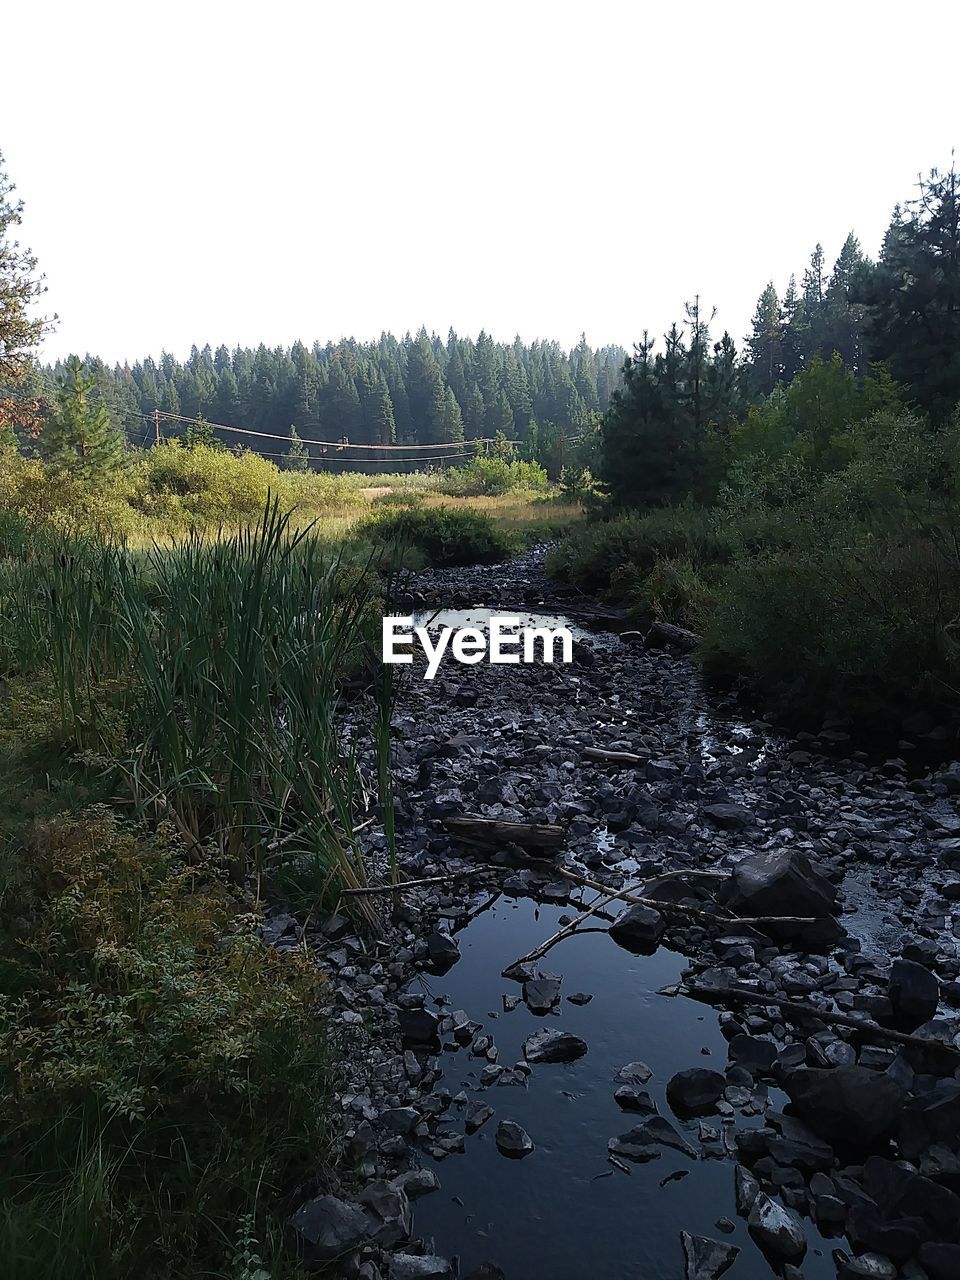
224	660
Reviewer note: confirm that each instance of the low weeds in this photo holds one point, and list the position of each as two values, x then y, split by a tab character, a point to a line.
164	1073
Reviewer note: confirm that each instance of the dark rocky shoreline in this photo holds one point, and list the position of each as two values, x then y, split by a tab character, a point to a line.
832	1133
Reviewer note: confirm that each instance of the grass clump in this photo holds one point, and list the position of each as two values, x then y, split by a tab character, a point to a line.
493	477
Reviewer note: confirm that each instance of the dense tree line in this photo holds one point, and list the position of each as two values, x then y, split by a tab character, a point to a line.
863	337
416	390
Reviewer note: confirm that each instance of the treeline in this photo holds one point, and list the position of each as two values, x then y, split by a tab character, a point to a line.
800	507
416	390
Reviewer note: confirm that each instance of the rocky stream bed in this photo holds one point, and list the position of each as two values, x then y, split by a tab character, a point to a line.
639	1101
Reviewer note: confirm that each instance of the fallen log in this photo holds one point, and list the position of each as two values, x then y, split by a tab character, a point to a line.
613	757
664	635
539	835
798	1009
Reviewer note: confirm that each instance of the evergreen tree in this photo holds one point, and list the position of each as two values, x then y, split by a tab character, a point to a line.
297	457
79	437
20	332
765	343
912	296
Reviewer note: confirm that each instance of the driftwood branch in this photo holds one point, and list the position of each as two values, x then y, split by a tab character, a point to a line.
539	952
613	757
800	1010
680	908
411	884
540	835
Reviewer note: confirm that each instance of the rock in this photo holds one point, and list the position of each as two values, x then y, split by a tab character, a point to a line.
776	1229
914	993
411	1266
784	883
418	1026
746	1187
941	1261
630	1099
390	1215
580	997
868	1266
418	1182
656	1132
635	1073
706	1259
729	817
756	1055
442	951
846	1105
902	1193
478	1113
402	1120
695	1092
513	1141
327	1228
553	1046
638	929
541	994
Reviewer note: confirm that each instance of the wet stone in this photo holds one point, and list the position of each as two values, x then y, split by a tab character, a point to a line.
512	1140
553	1046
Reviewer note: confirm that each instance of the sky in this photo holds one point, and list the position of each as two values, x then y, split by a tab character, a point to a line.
242	173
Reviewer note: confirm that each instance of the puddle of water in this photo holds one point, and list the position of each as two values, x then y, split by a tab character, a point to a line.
480	616
554	1213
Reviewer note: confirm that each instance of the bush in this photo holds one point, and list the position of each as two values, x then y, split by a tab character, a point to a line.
163	1072
613	555
493	477
444	536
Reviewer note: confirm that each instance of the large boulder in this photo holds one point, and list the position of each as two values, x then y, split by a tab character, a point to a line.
782	882
903	1193
695	1092
327	1228
848	1106
914	993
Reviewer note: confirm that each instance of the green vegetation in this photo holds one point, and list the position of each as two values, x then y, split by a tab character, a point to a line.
443	536
801	508
165	1076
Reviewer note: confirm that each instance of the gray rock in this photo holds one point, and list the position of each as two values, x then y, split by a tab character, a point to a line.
638	929
914	993
656	1132
940	1260
846	1105
442	950
541	995
629	1098
478	1113
411	1266
868	1266
706	1259
512	1140
776	1229
418	1026
418	1182
695	1092
782	882
730	817
553	1046
401	1120
635	1073
390	1217
328	1228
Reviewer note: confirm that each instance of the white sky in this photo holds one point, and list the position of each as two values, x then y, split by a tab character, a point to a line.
237	172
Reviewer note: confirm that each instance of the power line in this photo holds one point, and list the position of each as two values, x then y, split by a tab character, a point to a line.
332	444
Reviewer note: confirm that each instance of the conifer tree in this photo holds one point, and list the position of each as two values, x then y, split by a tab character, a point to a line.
297	457
765	342
79	437
20	331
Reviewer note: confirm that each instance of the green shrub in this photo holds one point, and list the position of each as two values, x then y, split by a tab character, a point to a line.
493	477
598	554
163	1072
443	535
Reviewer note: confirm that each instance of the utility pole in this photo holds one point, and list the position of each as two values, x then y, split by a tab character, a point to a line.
156	426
